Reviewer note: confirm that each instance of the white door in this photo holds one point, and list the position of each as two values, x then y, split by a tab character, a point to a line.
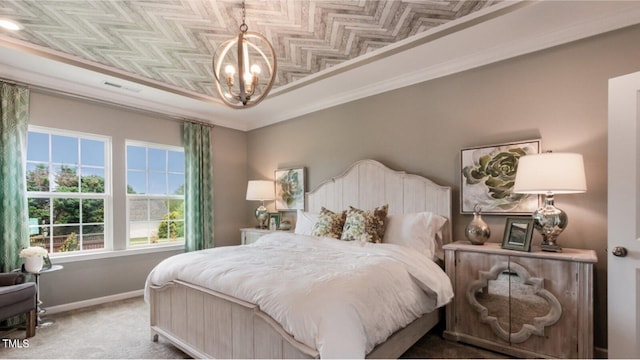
623	217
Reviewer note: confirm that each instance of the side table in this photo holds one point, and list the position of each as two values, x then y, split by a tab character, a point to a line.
40	321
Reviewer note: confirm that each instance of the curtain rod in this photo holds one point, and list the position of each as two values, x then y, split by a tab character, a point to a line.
48	90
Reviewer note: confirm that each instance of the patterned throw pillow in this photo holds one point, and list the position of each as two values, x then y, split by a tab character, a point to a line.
329	224
362	222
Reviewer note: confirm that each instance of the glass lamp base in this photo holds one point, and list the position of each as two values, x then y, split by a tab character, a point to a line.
261	217
550	222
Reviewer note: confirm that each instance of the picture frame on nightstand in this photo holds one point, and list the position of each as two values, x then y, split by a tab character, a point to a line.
518	232
277	217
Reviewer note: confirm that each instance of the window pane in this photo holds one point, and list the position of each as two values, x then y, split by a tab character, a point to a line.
138	233
176	161
37	146
41	239
92	237
157	183
176	207
153	233
136	158
92	152
136	182
66	238
138	210
157	160
64	149
39	210
66	211
92	180
176	184
65	178
92	211
158	209
37	177
176	230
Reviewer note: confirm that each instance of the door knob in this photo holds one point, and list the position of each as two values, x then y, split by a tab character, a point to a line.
619	251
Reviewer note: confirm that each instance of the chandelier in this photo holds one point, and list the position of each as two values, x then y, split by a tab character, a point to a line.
238	67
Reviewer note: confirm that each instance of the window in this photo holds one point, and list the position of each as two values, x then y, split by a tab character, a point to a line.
68	190
155	194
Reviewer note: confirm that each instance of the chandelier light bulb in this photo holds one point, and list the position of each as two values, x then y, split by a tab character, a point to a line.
230	70
255	69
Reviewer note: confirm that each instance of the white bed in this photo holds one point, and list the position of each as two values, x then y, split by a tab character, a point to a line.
264	301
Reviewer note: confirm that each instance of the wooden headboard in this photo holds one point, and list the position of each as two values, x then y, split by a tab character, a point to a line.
368	184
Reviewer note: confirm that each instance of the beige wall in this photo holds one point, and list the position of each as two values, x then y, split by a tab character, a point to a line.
82	280
558	95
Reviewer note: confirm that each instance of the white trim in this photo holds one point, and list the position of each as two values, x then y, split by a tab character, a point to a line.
92	302
117	253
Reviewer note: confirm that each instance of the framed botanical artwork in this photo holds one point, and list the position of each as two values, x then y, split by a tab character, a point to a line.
517	233
276	219
487	176
290	189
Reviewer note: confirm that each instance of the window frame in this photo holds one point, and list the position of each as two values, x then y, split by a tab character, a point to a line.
149	145
107	196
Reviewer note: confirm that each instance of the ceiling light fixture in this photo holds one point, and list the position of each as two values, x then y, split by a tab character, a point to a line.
241	85
10	25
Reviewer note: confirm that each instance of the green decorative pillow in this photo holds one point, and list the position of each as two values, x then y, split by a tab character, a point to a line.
329	224
362	222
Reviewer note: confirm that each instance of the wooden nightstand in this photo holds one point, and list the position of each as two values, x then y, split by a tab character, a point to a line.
526	304
251	235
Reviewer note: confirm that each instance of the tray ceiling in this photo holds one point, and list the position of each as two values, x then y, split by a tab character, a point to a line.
153	49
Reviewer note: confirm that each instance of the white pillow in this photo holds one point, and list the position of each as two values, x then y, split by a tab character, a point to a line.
420	231
305	222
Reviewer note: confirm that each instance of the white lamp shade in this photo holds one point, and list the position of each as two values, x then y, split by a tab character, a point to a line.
558	173
260	190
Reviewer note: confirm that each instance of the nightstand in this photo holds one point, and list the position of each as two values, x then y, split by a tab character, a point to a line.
251	235
525	304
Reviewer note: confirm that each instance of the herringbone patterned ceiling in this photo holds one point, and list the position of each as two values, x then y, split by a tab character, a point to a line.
173	41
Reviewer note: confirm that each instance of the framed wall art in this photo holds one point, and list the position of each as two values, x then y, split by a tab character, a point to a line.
290	189
518	232
488	174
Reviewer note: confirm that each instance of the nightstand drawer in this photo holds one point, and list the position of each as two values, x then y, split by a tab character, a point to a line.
251	235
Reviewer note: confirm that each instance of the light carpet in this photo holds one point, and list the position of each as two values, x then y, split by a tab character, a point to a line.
120	330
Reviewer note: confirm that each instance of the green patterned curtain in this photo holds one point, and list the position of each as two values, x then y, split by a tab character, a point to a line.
14	217
198	187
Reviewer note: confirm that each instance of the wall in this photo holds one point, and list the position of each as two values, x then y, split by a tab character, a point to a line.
88	279
558	95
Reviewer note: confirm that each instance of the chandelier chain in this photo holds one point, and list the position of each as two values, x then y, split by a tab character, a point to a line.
243	26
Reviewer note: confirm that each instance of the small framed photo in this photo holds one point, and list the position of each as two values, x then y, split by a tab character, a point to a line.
276	219
47	263
290	189
518	232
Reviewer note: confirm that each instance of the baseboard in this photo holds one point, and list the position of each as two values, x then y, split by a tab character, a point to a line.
91	302
600	353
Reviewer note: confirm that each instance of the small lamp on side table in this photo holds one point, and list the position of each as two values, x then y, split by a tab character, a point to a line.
261	190
549	174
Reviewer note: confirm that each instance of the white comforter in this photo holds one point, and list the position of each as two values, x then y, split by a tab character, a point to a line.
341	298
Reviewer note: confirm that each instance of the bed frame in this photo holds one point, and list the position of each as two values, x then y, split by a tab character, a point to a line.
208	324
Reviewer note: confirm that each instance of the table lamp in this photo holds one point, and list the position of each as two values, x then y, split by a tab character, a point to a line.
261	190
549	174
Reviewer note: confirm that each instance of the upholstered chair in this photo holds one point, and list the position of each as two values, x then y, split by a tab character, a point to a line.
18	297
